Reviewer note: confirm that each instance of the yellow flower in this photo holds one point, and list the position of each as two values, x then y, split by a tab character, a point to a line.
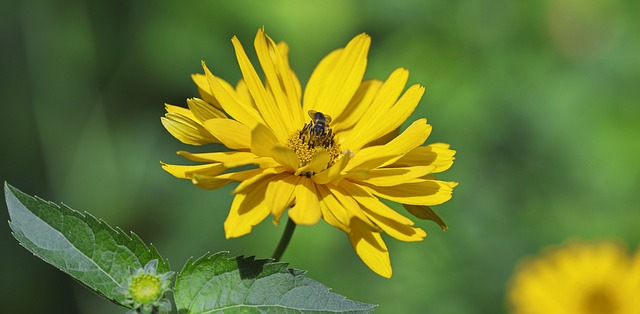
579	278
331	153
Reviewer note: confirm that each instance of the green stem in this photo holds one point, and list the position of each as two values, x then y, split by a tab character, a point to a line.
284	240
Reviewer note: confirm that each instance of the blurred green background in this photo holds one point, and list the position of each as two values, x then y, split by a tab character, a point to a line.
541	99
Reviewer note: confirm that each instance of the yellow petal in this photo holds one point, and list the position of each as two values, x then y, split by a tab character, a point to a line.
425	212
182	111
279	80
247	210
399	231
370	248
306	210
208	182
216	182
389	93
318	162
204	111
280	194
357	106
334	82
439	155
351	206
372	203
186	172
385	138
333	174
333	212
318	79
385	113
231	133
187	130
270	112
263	174
399	113
286	157
284	51
368	129
230	159
379	156
244	95
395	176
230	102
428	192
263	141
204	90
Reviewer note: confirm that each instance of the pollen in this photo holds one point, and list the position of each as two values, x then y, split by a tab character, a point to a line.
305	144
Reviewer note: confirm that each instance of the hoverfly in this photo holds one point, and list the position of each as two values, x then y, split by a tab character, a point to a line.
318	132
320	122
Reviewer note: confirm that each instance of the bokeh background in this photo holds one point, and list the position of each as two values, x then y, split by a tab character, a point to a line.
541	99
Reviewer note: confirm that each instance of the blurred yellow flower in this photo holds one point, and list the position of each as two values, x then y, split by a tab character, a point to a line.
579	278
336	163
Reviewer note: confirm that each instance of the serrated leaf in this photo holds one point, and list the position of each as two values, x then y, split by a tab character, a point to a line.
89	250
217	283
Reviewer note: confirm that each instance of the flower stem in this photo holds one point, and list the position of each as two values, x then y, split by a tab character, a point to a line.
284	240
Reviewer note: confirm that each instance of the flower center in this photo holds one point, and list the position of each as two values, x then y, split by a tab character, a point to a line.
145	288
314	137
600	301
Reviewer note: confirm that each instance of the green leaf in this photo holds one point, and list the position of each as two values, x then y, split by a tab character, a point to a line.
89	250
217	283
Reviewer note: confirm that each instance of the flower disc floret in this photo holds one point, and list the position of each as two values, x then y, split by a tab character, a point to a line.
300	143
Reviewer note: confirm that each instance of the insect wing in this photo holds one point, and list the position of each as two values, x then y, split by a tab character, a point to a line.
327	118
